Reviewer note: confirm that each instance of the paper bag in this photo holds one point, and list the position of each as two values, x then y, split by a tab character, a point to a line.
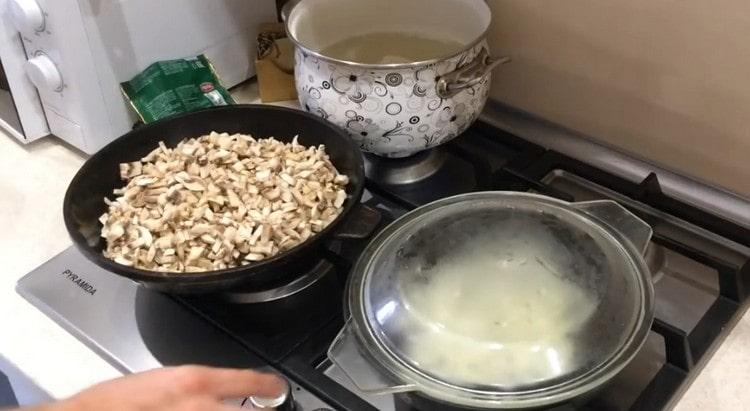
275	64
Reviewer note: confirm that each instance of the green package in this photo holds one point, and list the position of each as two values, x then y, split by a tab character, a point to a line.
172	87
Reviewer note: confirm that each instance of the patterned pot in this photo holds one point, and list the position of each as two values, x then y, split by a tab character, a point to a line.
393	110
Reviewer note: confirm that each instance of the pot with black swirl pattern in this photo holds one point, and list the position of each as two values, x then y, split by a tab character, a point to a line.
399	109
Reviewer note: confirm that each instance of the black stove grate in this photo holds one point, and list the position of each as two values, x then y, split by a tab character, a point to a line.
486	158
683	349
471	162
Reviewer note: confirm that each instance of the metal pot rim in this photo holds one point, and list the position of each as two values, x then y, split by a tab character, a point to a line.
391	66
392	366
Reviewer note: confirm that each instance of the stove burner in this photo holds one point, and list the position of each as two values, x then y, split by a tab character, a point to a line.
407	170
271	310
297	286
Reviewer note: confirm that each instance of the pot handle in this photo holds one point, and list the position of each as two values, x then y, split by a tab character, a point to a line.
468	75
621	219
345	354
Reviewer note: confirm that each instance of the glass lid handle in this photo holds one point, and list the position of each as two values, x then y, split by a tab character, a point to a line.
344	353
621	219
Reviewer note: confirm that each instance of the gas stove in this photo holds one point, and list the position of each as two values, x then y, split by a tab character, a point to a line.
700	265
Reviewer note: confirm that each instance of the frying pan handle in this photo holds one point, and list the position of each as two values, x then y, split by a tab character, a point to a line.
618	217
360	223
345	354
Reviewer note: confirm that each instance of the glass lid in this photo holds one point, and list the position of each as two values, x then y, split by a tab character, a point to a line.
502	293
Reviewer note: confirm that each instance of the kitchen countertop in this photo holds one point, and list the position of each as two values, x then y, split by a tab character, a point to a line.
33	180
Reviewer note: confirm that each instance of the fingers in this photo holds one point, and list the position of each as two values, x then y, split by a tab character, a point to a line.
224	383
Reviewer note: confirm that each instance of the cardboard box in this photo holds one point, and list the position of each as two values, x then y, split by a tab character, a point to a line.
275	64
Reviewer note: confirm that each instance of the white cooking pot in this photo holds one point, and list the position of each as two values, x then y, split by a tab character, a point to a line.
394	110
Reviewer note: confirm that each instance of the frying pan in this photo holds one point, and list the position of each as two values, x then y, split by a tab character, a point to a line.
83	204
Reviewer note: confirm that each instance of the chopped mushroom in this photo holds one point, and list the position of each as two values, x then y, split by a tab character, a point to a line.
220	201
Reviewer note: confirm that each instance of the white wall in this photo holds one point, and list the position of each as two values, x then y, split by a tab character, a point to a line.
667	79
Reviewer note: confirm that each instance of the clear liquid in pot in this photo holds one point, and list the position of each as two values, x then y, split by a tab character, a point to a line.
496	301
498	318
390	48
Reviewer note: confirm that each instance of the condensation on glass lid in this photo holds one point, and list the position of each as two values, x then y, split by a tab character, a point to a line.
496	299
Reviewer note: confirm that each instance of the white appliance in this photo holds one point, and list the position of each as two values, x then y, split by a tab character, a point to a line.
63	60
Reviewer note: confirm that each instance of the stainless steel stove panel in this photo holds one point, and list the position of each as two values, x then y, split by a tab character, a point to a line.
114	317
93	305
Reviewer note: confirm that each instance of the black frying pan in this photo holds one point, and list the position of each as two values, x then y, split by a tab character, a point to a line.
83	204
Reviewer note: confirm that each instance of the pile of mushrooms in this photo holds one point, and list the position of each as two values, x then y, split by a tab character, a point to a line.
220	201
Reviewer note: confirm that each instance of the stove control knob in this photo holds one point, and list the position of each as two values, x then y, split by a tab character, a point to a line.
26	15
283	402
43	73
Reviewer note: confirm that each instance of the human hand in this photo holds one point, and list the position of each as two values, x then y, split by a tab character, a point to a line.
184	388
